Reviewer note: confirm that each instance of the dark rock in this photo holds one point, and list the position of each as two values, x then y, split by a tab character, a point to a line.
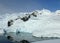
25	18
10	23
34	15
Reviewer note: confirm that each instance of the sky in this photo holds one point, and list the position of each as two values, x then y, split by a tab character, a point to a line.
15	6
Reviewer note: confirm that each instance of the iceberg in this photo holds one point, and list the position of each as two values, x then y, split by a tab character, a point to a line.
40	23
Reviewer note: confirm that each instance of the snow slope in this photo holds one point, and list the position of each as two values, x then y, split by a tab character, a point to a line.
40	23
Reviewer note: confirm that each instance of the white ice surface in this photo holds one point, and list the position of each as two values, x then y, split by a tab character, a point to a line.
46	24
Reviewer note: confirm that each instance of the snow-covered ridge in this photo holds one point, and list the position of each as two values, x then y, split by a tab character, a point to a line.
40	23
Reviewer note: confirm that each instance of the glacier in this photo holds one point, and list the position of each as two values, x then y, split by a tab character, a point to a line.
40	23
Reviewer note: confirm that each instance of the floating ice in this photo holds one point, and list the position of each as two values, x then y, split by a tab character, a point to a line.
40	23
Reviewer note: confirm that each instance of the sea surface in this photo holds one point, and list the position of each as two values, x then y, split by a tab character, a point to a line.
3	39
17	37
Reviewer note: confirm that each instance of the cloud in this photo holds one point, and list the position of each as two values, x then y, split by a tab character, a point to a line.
57	12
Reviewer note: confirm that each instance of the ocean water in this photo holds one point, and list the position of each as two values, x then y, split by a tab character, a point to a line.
3	39
17	37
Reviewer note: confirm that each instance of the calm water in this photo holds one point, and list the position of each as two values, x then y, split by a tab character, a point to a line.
4	40
23	36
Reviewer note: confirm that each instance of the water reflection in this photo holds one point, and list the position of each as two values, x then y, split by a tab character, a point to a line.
22	37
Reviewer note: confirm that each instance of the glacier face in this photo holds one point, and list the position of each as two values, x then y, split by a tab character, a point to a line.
40	23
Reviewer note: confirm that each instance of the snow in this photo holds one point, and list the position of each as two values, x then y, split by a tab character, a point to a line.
46	24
